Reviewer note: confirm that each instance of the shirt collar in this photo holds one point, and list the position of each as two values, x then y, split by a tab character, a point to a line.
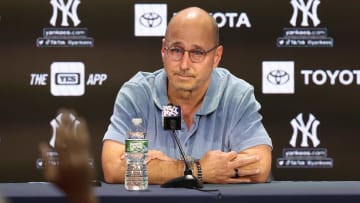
211	99
213	94
160	98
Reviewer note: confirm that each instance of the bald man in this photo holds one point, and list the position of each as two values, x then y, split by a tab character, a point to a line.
222	128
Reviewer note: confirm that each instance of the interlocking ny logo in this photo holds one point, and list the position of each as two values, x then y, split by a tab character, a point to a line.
69	10
55	124
309	10
308	131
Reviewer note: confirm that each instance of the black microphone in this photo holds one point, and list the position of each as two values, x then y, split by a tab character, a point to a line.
171	120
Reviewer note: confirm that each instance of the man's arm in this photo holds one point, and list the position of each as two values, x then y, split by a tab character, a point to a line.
253	165
161	168
112	164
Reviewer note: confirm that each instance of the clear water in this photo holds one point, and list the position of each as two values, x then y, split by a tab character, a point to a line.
136	173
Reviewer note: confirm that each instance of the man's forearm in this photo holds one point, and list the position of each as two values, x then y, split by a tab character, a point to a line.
114	170
113	164
161	171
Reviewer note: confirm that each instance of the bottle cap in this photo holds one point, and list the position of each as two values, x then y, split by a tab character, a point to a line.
136	121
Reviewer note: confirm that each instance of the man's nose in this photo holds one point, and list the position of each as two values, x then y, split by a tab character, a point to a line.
185	60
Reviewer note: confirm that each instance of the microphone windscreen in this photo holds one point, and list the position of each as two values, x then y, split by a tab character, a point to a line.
171	117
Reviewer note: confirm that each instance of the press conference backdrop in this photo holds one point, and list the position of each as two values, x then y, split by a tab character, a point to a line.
302	56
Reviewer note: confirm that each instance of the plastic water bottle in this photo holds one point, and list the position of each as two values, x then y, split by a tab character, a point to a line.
136	148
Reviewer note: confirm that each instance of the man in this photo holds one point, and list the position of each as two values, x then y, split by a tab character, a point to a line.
221	124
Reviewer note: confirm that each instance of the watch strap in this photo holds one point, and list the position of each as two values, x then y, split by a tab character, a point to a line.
199	170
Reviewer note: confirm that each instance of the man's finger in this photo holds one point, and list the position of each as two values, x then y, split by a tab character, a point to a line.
248	172
243	161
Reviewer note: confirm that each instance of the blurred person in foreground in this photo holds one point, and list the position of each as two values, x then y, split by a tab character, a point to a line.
72	175
221	125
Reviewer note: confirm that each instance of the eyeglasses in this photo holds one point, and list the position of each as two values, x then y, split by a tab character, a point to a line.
196	55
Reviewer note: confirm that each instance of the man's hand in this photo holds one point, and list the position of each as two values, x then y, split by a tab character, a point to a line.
73	174
250	165
219	167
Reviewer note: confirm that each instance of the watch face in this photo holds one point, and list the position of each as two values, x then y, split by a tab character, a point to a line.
190	162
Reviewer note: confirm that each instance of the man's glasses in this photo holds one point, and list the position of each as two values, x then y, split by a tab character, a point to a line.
196	55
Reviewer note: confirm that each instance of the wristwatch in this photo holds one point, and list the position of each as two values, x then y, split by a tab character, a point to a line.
199	170
190	162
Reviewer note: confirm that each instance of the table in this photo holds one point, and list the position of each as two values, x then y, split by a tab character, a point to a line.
276	191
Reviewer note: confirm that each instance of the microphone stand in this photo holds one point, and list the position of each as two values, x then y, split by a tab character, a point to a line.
188	180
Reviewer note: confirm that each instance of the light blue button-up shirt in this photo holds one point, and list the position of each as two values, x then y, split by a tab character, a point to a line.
228	119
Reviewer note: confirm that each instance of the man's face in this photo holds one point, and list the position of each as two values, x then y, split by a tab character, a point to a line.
185	74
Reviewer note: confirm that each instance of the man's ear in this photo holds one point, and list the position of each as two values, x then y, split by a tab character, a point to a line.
163	49
218	55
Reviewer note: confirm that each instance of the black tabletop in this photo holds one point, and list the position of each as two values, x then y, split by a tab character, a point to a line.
276	191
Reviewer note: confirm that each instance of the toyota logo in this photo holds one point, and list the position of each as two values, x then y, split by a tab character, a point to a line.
150	19
278	77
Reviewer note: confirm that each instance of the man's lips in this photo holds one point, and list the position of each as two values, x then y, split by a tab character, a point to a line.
184	76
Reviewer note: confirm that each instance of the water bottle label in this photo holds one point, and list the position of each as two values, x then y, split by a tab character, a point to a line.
132	145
